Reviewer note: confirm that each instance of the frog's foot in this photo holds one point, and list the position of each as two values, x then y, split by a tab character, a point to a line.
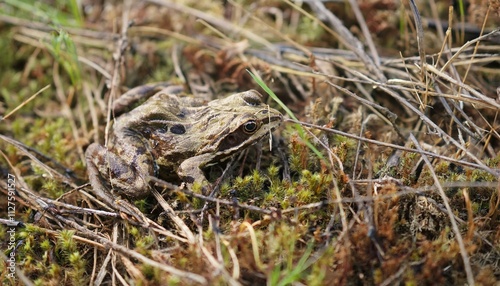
129	209
95	170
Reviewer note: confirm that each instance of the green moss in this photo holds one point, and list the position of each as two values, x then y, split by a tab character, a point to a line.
493	162
287	256
7	57
308	30
149	272
51	138
77	273
66	243
66	13
319	268
134	231
482	176
345	149
144	243
174	281
294	247
142	204
55	270
53	188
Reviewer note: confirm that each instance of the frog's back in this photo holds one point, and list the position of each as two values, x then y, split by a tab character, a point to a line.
160	107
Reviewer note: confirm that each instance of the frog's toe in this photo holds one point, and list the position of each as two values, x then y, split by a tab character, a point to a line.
128	209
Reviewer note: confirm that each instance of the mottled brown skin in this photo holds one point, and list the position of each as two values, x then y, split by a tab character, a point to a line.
171	136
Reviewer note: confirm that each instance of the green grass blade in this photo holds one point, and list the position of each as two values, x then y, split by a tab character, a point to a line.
299	128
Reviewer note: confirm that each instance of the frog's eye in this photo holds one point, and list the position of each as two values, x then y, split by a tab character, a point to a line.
250	126
178	129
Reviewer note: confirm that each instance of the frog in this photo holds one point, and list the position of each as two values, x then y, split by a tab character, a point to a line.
173	136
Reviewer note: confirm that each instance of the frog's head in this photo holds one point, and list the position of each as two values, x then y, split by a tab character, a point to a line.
243	119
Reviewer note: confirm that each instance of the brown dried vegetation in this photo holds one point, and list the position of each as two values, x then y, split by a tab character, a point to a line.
392	178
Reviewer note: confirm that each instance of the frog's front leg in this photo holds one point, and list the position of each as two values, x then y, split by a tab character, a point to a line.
190	170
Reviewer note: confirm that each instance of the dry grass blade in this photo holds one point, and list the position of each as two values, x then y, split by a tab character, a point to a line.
392	176
420	35
24	279
458	235
347	38
24	103
221	23
178	221
133	254
465	163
